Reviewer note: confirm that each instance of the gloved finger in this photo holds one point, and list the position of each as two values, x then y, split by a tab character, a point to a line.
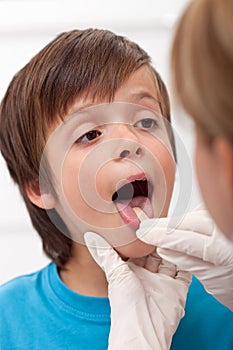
184	262
153	262
220	250
184	276
167	268
195	221
185	242
104	255
215	250
138	261
200	206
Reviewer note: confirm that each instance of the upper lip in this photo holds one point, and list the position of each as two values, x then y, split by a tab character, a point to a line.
133	179
141	176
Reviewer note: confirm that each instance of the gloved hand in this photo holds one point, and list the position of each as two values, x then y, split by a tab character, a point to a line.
146	306
197	246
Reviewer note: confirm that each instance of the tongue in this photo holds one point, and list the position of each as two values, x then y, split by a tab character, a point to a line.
127	213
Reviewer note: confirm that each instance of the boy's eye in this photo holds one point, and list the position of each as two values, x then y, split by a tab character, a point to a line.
147	123
89	136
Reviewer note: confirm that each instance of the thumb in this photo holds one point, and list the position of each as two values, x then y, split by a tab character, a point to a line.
103	254
121	279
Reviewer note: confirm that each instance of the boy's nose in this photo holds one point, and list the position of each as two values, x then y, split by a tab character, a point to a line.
129	150
127	143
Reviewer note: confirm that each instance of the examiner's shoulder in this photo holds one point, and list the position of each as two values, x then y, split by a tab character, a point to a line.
18	289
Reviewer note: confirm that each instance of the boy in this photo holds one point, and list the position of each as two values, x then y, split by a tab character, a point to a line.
46	104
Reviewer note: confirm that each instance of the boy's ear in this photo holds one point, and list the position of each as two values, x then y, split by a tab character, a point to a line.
42	198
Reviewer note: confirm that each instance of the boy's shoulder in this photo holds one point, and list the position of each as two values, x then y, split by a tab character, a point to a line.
38	310
17	289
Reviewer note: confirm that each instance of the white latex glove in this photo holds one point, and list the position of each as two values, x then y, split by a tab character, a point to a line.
146	307
197	246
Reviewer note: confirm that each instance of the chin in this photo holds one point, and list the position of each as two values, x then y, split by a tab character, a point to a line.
136	249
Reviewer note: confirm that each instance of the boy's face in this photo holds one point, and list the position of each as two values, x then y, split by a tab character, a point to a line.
107	159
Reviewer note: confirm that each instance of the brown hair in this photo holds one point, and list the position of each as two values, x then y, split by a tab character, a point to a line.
202	66
89	62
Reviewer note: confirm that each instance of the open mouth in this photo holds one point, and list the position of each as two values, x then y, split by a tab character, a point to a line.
136	193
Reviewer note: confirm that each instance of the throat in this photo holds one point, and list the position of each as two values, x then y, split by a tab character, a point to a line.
83	275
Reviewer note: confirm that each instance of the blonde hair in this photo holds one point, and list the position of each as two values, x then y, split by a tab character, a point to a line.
202	66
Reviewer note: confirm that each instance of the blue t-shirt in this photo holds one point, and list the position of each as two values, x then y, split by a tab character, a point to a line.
39	312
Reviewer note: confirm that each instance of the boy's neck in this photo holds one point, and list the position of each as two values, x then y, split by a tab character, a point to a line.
82	275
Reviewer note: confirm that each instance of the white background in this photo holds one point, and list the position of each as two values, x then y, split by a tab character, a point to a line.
25	27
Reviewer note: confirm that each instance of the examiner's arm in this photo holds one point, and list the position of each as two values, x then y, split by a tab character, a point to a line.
146	306
197	246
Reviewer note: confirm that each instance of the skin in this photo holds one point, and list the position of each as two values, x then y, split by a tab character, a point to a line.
90	208
214	166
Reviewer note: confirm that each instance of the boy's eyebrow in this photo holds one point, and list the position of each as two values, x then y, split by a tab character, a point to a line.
135	97
78	109
143	94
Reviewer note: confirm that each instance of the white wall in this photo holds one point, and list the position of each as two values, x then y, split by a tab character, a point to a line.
25	27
